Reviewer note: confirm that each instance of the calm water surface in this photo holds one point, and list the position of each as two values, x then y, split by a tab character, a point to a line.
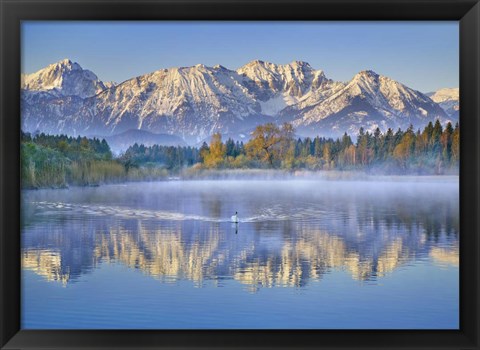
306	254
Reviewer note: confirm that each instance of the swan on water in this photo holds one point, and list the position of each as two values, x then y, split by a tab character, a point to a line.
235	217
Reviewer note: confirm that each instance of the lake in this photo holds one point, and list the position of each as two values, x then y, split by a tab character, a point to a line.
381	253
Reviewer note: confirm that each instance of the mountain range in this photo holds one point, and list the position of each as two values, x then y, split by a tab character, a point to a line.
191	103
448	99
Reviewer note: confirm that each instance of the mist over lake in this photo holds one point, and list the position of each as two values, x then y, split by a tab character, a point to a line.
379	252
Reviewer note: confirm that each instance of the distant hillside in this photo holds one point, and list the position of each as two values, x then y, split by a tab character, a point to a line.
120	142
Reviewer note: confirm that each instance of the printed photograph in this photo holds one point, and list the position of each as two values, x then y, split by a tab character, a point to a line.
239	175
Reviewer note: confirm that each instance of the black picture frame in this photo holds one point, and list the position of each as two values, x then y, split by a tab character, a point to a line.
467	12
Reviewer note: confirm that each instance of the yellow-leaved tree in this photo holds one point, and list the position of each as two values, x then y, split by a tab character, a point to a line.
213	157
270	144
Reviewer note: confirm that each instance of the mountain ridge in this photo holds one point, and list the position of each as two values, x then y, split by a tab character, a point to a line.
194	102
448	99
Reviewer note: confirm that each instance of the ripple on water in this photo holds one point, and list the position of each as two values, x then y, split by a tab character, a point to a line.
277	213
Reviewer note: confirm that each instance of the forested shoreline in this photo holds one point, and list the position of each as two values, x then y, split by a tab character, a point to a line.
60	161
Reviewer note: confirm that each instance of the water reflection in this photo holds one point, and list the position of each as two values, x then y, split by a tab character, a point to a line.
305	254
445	256
364	240
46	263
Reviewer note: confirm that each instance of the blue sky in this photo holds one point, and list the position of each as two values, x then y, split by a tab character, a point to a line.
422	55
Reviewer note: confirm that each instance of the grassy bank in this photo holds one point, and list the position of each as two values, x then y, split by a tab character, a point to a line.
44	167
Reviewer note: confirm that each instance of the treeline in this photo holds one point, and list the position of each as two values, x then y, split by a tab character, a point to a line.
73	148
171	158
59	161
433	150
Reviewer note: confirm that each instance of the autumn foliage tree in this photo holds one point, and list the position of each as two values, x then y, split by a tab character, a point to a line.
270	144
213	157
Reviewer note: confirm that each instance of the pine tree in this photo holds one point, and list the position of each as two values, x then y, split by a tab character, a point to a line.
456	144
446	140
230	148
318	147
203	151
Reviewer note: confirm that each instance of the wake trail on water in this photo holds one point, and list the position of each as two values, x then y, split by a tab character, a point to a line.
266	214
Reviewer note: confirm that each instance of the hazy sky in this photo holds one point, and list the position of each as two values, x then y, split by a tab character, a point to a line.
422	55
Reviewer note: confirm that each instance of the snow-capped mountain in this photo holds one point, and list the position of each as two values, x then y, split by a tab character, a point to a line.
64	78
369	100
295	84
292	79
187	101
448	99
194	102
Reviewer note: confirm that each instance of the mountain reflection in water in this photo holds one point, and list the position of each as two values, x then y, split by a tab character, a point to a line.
285	242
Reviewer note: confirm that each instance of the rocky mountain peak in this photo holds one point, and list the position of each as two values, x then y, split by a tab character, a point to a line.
448	99
63	78
194	102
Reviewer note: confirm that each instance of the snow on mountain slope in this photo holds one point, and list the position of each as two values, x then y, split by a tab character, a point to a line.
445	94
109	84
448	99
291	86
194	102
293	78
190	101
369	100
277	103
64	78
